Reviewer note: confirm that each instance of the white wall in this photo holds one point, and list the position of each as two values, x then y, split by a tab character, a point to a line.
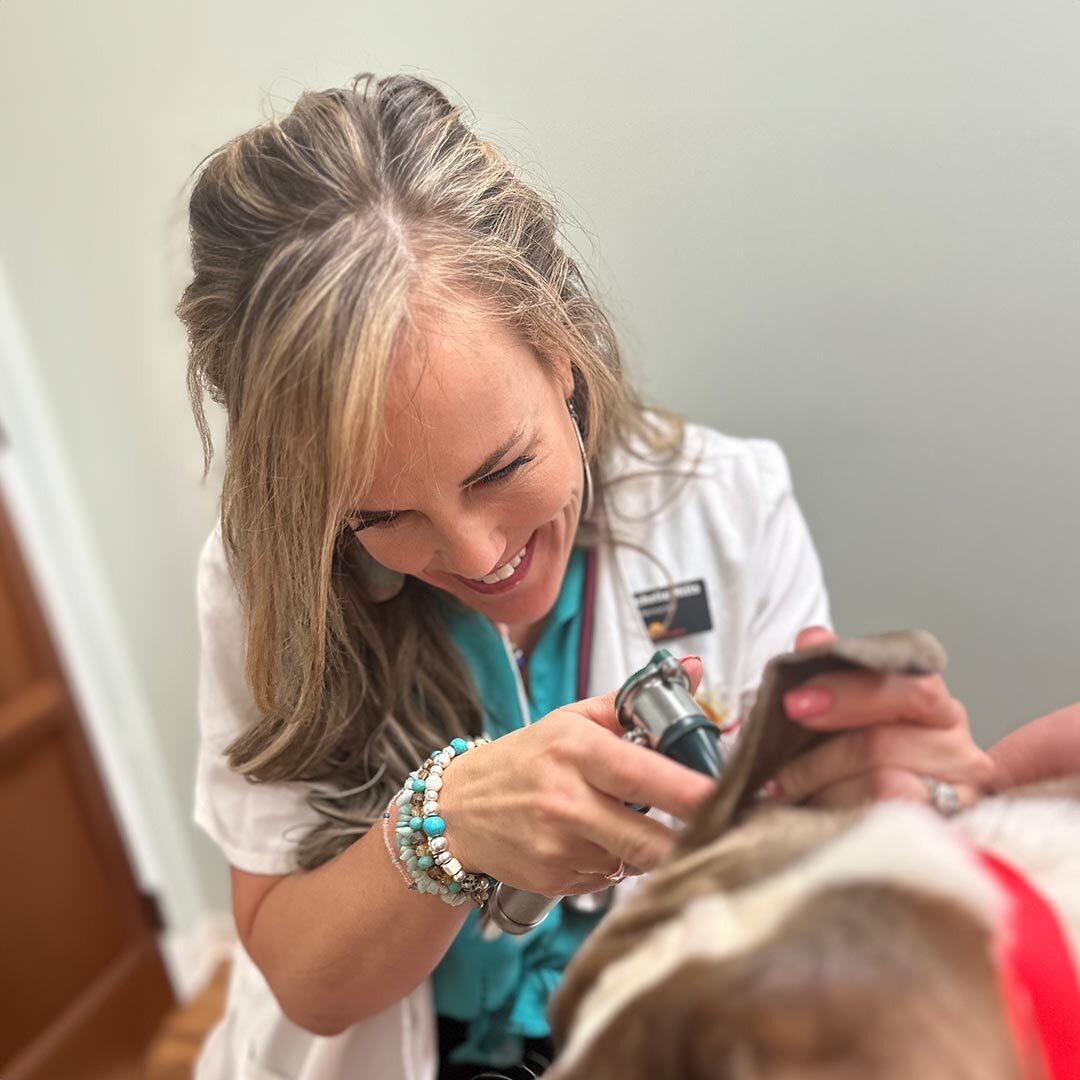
852	227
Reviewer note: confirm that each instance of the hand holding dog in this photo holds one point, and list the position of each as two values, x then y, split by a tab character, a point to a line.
890	732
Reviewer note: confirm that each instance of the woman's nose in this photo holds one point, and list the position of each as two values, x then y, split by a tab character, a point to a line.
470	546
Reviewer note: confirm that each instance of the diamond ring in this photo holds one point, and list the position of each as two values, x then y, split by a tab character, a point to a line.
943	796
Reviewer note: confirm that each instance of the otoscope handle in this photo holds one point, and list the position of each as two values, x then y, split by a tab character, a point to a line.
658	710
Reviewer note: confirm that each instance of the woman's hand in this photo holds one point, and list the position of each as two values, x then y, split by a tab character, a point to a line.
542	807
893	730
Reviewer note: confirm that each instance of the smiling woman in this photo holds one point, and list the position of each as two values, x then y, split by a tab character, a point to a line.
445	515
480	469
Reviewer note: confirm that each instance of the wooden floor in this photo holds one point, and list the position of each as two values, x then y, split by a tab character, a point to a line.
173	1052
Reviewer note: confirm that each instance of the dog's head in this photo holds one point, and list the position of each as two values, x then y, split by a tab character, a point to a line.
782	943
798	945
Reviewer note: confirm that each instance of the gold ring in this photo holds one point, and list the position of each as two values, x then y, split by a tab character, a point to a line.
619	874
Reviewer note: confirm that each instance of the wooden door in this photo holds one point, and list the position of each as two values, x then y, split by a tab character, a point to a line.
82	986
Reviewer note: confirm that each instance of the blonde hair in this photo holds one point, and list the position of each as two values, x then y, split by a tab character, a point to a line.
313	239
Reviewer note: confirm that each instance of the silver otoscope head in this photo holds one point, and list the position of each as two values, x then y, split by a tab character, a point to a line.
656	705
657	709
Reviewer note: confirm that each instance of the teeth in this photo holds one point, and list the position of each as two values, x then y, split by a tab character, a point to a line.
504	571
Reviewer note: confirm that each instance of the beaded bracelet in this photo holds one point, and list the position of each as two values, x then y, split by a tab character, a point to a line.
421	846
390	846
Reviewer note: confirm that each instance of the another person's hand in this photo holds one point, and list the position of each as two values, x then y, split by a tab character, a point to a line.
892	732
542	807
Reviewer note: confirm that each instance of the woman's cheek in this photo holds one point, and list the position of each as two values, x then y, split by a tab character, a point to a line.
395	552
535	510
545	494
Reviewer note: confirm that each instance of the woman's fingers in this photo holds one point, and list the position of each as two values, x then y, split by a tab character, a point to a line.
636	840
634	774
588	883
890	731
593	860
945	755
854	699
596	868
629	773
844	700
600	710
694	669
570	779
813	635
879	784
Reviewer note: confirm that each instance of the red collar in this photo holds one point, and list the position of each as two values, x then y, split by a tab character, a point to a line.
1038	977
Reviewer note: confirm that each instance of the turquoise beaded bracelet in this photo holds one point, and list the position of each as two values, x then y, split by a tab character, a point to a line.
421	844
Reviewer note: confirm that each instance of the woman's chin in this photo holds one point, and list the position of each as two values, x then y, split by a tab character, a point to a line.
528	603
521	610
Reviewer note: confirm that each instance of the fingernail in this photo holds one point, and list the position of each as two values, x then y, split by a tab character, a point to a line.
771	790
683	659
807	701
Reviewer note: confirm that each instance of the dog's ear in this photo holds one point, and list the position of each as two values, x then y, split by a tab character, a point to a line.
770	740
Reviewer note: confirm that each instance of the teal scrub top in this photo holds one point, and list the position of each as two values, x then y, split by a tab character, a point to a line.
500	988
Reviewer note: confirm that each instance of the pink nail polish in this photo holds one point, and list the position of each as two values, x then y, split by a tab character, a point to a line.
771	789
683	659
806	701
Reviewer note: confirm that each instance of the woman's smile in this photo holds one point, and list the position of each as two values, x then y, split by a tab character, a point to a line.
506	577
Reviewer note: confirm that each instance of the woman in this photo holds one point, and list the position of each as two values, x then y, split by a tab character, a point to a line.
445	515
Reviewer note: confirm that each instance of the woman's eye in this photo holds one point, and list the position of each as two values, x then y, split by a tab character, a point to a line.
506	470
359	524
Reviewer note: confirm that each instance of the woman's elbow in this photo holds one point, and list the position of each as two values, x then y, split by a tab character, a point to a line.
319	1025
320	1010
299	1009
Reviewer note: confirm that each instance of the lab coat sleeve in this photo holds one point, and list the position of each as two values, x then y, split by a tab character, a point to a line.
256	825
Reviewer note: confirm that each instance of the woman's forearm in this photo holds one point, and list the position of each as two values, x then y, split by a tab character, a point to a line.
1040	750
348	939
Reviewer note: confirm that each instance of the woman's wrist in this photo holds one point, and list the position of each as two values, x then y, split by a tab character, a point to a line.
421	849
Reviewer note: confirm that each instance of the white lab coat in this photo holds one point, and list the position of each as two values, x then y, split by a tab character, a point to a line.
734	525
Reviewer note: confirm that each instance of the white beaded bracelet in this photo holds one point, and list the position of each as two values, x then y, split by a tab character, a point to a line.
422	847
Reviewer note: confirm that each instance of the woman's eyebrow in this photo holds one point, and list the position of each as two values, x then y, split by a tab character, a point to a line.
493	459
485	467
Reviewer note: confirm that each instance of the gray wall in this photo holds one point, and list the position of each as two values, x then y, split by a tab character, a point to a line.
851	227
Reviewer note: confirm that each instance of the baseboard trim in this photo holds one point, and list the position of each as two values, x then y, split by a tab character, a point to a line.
192	957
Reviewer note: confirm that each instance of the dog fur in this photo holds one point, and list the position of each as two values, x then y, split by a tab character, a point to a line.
781	943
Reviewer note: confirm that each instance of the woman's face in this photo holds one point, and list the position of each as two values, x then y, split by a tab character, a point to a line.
478	463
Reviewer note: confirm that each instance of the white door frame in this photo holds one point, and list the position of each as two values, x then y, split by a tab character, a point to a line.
71	586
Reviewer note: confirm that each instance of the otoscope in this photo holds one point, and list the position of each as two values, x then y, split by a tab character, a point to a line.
657	710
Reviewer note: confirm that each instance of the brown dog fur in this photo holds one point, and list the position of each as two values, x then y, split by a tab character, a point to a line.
864	981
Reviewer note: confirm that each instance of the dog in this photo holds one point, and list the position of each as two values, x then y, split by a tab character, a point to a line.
884	943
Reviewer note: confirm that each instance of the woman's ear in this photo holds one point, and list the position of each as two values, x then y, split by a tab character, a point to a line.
564	375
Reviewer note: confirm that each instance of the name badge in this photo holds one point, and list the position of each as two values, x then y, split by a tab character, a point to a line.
675	612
